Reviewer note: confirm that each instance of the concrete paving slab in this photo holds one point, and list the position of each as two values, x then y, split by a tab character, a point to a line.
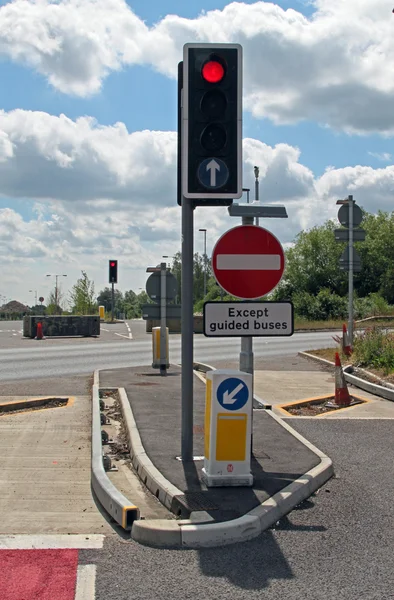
281	387
45	479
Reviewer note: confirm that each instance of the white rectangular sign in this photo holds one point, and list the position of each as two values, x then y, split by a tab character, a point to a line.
238	319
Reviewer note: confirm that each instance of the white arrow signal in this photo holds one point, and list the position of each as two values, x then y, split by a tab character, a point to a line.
213	166
229	397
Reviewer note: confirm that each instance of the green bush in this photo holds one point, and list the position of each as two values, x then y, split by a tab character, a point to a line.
375	348
324	306
370	306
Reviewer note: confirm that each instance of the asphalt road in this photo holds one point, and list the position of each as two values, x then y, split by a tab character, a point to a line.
337	545
24	358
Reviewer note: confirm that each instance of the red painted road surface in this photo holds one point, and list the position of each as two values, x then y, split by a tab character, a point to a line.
38	574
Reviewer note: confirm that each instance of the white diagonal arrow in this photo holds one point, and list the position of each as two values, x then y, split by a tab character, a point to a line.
229	397
213	166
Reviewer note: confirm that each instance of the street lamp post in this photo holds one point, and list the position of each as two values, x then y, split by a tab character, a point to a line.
256	188
204	231
35	296
56	276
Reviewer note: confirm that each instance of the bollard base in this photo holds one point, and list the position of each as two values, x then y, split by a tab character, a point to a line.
227	480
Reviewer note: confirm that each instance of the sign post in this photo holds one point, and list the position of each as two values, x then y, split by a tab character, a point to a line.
350	215
163	319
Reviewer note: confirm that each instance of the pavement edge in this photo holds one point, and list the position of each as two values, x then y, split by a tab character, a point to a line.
117	506
367	386
188	534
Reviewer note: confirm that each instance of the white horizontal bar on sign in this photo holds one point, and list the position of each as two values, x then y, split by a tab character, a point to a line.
248	262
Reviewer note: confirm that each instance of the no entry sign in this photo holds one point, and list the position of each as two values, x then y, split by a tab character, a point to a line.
248	262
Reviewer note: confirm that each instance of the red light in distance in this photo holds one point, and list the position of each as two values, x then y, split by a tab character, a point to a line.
112	264
213	71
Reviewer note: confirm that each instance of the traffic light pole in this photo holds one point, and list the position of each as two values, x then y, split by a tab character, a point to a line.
187	330
112	301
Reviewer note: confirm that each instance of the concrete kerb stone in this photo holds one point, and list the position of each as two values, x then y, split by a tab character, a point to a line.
116	504
188	534
160	487
367	386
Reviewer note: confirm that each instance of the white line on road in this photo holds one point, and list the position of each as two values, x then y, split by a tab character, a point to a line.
248	262
46	542
128	337
86	582
102	329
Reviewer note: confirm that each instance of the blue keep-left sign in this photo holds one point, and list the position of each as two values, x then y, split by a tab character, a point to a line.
232	393
213	173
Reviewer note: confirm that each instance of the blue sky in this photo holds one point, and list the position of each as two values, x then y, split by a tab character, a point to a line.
300	123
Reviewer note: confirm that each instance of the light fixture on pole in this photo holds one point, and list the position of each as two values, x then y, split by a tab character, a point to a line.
204	231
56	276
35	295
256	188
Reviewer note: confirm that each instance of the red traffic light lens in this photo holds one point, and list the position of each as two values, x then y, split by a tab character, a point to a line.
112	264
213	71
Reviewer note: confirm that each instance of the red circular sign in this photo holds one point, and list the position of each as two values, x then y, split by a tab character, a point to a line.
230	468
248	262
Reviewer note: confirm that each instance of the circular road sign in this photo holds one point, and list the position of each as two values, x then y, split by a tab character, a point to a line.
343	215
248	262
153	286
213	173
41	299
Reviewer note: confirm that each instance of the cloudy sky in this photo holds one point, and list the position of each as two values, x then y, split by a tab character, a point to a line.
88	125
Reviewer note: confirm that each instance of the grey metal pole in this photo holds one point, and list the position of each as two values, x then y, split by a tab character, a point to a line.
256	188
246	354
187	330
163	319
112	301
56	276
351	257
205	263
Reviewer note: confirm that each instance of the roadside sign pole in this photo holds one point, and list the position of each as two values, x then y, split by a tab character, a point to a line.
112	301
351	290
187	330
246	354
163	319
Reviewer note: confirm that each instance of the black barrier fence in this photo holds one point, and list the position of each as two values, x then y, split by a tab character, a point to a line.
58	326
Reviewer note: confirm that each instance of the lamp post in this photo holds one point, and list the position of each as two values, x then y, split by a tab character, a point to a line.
35	296
204	231
56	276
256	188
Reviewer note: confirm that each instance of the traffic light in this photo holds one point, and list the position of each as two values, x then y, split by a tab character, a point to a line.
212	121
113	271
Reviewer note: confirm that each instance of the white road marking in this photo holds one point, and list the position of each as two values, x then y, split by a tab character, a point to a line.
86	582
248	262
128	337
46	542
102	329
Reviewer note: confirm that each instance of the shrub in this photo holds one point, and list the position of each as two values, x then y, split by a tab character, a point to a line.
375	347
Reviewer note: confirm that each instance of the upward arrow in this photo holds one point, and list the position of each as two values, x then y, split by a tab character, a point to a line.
213	166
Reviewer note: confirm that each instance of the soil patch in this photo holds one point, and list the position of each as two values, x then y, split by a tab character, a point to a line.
30	405
314	408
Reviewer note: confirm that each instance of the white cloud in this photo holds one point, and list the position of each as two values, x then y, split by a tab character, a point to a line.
94	198
382	156
336	67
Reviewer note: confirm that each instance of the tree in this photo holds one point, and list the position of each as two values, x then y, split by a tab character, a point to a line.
82	296
54	308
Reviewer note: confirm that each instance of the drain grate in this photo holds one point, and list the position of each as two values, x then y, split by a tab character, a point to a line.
192	501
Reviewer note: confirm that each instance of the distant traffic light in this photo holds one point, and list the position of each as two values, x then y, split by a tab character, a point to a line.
212	121
113	271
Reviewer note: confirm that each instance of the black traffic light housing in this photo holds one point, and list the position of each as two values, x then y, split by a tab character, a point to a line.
212	121
113	271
